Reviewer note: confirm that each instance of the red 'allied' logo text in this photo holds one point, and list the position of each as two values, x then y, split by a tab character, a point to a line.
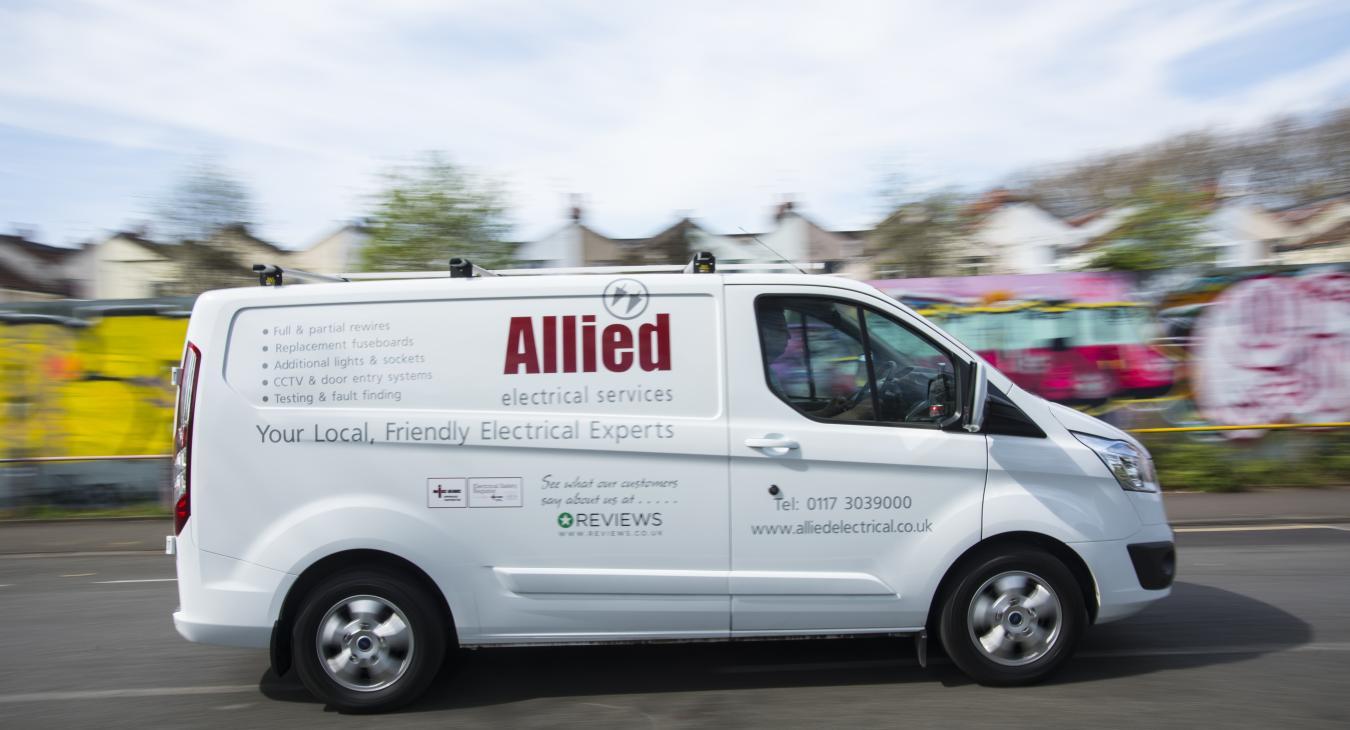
574	344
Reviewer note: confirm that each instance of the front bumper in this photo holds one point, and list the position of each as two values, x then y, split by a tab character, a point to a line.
1155	563
1121	590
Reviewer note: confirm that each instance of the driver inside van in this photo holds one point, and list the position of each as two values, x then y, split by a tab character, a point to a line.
788	358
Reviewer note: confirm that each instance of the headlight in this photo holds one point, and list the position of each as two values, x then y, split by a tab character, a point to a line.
1130	465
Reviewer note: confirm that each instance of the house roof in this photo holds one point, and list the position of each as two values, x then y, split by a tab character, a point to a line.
597	247
11	279
669	244
240	230
993	200
1303	212
1337	234
50	254
132	237
357	226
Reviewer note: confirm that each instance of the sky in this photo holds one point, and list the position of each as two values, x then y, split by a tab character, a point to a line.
646	110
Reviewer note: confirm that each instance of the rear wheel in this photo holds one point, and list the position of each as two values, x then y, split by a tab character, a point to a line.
367	641
1014	617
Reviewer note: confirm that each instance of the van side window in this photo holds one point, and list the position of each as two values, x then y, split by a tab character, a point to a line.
839	361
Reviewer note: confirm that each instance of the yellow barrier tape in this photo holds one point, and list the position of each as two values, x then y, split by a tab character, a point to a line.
1251	427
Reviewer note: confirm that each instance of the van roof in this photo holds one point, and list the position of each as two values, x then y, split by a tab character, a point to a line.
542	285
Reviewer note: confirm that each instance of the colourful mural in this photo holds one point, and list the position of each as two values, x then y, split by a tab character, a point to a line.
1229	348
86	379
1272	347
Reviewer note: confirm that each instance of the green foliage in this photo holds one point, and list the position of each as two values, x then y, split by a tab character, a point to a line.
919	236
203	200
53	512
1285	459
432	211
1160	233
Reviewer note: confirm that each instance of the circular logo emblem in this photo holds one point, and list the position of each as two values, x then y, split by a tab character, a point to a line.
565	520
625	298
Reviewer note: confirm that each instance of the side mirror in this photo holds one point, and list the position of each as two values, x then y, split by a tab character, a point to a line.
976	397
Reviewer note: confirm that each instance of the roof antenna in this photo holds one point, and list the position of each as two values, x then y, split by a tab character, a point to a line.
780	256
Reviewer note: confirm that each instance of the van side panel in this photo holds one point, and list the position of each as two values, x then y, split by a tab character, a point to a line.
555	461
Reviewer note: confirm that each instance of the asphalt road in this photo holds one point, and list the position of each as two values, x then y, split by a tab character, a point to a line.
1256	634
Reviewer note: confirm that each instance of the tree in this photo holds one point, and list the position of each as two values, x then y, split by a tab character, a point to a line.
1285	161
204	199
922	237
432	211
1159	233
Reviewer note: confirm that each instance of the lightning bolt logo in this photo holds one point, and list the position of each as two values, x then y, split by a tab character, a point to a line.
625	298
634	299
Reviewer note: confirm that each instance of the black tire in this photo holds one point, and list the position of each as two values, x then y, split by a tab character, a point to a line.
1026	661
420	656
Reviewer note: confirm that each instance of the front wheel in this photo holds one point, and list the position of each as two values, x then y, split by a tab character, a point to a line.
1013	618
368	642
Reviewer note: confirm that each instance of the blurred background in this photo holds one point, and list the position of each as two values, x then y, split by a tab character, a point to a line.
1138	209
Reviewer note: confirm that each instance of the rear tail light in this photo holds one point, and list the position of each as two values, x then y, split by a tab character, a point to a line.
182	437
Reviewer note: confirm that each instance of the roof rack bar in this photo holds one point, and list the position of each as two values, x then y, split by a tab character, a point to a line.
462	268
639	269
272	275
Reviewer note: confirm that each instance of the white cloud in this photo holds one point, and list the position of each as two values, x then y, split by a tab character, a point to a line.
645	108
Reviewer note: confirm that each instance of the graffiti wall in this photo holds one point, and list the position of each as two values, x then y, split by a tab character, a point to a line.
1270	347
87	379
90	379
1235	347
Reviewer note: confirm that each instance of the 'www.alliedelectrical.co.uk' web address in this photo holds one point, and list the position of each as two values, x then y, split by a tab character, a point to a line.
841	527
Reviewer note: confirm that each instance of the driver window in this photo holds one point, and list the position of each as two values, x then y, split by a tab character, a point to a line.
916	381
838	361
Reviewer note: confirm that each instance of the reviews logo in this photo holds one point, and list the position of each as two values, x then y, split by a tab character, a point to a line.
565	520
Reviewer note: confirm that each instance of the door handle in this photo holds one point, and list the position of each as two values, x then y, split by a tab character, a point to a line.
771	443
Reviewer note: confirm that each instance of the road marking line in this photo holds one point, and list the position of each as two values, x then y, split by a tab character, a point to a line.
5	585
106	694
1333	646
77	575
138	580
1260	528
159	553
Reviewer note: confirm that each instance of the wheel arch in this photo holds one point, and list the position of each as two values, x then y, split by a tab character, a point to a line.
1087	584
313	575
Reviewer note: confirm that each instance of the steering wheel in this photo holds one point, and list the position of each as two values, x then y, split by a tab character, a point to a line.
918	412
891	375
884	380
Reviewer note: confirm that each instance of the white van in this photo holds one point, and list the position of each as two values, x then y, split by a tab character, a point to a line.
370	475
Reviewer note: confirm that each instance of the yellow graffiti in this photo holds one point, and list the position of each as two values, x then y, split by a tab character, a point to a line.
96	390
